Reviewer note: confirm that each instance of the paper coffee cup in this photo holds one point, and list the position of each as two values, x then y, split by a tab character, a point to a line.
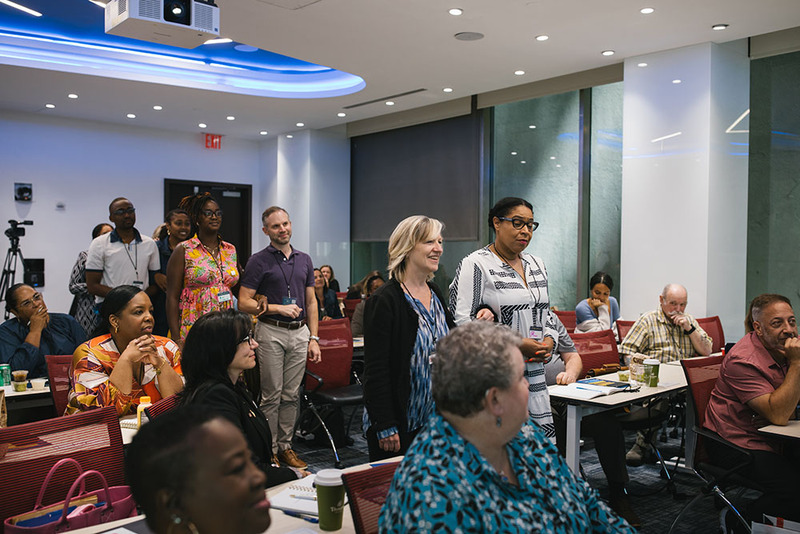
330	498
650	377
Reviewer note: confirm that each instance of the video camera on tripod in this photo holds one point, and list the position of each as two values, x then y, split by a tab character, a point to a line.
14	232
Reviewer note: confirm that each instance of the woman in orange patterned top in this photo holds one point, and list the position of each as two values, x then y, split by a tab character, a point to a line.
129	362
202	271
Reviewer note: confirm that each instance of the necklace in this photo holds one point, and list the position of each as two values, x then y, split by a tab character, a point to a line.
507	260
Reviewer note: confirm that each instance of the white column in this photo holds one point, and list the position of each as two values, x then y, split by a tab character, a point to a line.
684	181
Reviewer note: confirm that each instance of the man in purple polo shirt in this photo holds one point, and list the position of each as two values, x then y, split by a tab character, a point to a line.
759	384
276	286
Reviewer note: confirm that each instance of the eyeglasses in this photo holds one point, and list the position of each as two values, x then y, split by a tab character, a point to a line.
124	211
212	213
37	297
519	223
247	338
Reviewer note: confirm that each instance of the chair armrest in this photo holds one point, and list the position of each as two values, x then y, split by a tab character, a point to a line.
706	433
316	377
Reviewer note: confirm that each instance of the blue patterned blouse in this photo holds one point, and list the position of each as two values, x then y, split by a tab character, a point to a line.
444	485
432	327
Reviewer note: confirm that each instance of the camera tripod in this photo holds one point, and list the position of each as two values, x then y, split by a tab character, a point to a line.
10	268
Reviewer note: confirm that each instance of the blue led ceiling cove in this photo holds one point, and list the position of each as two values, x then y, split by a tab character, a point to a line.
70	37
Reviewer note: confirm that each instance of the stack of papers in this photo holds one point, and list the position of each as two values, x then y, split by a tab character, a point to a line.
300	497
589	388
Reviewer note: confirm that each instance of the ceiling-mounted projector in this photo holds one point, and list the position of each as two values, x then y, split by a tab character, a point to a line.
183	23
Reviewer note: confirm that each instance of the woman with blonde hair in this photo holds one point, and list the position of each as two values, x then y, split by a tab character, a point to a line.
403	320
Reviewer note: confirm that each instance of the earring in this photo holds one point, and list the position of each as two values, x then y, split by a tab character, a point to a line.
116	328
499	422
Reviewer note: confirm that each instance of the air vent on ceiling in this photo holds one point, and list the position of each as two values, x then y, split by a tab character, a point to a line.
385	98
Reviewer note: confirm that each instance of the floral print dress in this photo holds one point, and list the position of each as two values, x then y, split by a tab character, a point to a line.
206	284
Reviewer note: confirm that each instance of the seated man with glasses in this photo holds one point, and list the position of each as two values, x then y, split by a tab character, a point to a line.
122	256
34	332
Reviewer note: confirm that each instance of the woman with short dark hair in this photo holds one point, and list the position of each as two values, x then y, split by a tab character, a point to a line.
218	348
600	311
190	472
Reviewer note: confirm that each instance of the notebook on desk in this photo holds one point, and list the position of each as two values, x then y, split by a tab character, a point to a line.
300	496
590	388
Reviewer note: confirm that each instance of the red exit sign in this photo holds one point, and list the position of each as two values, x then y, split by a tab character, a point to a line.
213	141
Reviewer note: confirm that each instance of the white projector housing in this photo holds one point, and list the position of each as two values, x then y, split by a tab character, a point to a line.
144	20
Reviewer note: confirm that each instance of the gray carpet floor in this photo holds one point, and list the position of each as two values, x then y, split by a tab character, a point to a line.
648	492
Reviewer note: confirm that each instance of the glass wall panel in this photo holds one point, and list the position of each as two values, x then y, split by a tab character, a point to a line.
606	182
773	238
536	158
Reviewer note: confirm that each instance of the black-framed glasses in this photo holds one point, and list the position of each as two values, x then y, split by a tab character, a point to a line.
124	211
519	223
212	213
247	338
36	298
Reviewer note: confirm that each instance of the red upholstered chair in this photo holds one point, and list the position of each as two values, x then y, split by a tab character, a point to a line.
713	327
340	295
91	438
163	406
327	384
596	349
59	373
701	376
568	318
623	327
366	491
350	307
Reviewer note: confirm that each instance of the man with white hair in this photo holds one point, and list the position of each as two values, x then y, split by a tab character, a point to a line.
667	333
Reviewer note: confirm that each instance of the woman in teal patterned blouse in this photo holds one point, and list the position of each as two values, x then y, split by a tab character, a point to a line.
480	464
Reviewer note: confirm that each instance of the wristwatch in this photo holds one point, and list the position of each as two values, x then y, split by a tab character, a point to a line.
688	332
315	338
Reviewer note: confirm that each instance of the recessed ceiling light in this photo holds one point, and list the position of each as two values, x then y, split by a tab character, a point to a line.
157	108
558	165
676	81
641	64
513	153
542	37
50	106
131	115
202	125
523	162
447	90
72	95
290	136
646	10
519	72
221	40
389	103
300	124
719	27
468	36
532	126
263	132
607	52
231	118
552	157
456	11
341	114
27	10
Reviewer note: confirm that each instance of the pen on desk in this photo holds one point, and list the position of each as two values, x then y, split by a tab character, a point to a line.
304	497
309	518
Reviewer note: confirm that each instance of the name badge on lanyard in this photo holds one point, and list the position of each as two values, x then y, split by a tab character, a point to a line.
536	333
223	296
289	300
138	283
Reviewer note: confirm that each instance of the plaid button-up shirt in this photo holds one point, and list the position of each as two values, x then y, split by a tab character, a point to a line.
656	336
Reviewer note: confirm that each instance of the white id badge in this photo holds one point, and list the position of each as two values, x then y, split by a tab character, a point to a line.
289	300
224	296
139	284
536	334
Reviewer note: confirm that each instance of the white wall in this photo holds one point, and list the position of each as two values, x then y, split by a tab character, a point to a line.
84	165
684	199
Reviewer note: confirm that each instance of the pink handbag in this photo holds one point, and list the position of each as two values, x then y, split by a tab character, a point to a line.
78	510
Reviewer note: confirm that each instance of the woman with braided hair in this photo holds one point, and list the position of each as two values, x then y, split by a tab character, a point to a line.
202	271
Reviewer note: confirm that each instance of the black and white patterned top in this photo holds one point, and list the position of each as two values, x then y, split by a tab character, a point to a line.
484	279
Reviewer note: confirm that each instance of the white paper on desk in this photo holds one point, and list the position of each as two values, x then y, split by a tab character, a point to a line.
768	526
285	501
586	391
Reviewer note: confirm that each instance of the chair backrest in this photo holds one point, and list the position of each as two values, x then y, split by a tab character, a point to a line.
701	376
596	349
163	406
336	345
350	307
713	327
340	295
92	438
367	491
568	319
59	373
623	327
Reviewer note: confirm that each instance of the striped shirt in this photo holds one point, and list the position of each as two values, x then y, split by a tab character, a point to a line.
654	335
484	279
